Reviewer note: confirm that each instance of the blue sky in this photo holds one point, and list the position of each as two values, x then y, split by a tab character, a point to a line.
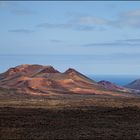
93	37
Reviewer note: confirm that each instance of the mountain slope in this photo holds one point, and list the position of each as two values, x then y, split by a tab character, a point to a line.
111	86
134	85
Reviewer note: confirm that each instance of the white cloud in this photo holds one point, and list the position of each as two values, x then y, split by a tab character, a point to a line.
22	12
25	31
132	13
126	42
92	20
69	25
128	19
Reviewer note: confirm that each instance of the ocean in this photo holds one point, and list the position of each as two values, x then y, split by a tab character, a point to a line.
116	79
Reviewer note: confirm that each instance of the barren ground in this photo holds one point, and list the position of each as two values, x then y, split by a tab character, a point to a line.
70	117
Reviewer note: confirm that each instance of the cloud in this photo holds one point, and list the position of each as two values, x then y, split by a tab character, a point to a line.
65	26
25	31
49	25
92	20
85	28
132	13
130	40
22	12
107	44
70	25
133	40
55	41
127	19
16	8
125	42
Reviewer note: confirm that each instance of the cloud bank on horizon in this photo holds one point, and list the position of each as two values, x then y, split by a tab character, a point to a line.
94	37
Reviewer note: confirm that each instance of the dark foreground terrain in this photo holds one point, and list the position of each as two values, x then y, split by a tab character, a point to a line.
80	119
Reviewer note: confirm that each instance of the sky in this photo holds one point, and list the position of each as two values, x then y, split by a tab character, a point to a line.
94	37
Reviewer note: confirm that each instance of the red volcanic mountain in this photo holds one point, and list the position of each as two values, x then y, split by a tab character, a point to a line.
45	80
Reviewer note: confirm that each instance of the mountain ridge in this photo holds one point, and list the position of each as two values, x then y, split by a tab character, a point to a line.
46	80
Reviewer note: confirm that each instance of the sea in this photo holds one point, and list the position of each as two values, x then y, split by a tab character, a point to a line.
116	79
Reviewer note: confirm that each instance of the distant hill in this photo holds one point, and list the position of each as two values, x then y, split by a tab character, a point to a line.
111	86
46	80
134	85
